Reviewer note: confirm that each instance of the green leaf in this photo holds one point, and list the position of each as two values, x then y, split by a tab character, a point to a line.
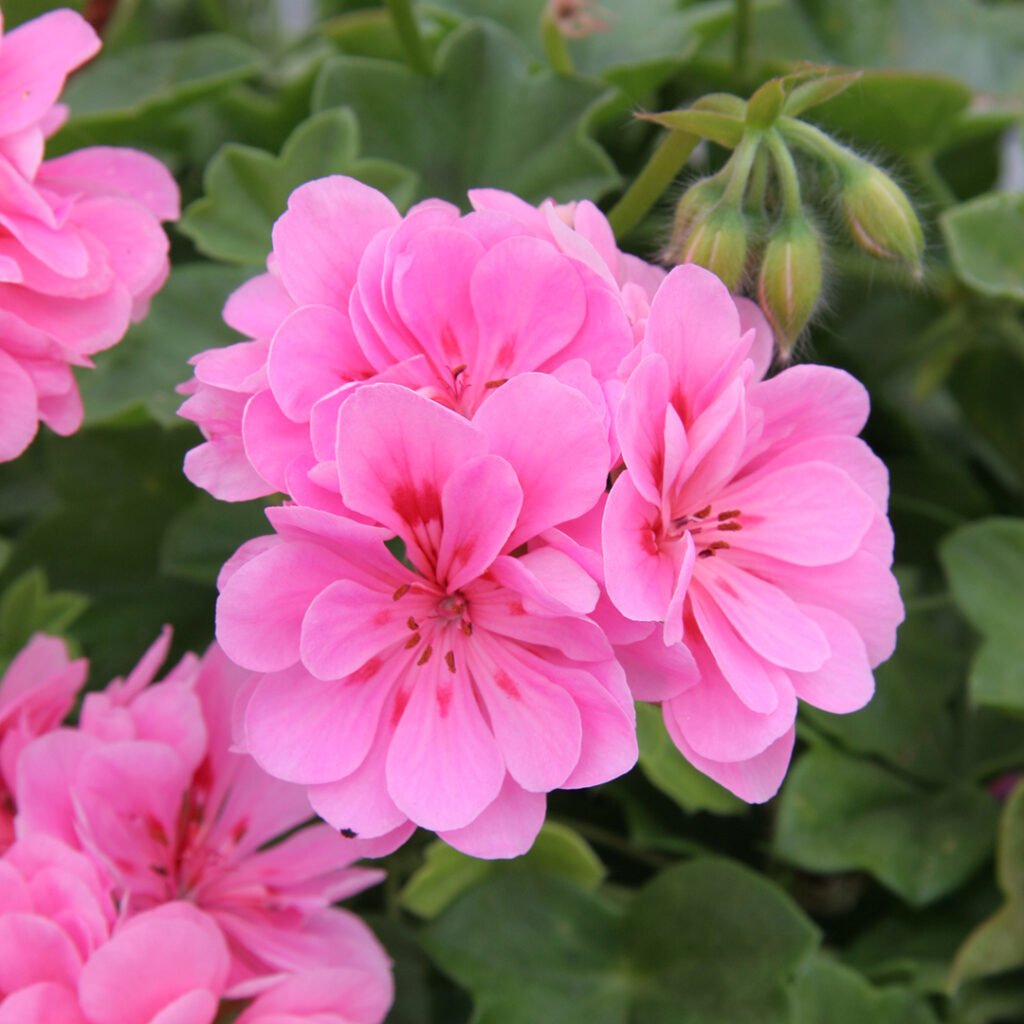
965	39
447	874
27	606
667	769
201	539
703	943
984	563
247	189
155	79
985	238
140	374
906	112
635	45
997	944
838	813
721	128
826	992
487	119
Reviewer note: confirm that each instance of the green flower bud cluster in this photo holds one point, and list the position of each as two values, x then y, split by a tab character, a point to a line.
750	223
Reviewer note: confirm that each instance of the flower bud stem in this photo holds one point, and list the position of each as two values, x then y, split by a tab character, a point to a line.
658	173
408	31
814	141
739	167
555	48
789	177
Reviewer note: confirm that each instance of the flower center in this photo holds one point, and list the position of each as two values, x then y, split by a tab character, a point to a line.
706	527
450	610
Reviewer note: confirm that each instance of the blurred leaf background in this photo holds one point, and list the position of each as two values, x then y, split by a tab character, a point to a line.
885	884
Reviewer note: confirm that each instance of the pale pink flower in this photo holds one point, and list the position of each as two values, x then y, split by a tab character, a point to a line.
36	692
457	693
751	521
445	304
81	248
149	788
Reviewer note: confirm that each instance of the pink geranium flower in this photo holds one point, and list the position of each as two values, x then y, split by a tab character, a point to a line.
336	996
447	305
149	789
81	248
458	692
751	521
36	693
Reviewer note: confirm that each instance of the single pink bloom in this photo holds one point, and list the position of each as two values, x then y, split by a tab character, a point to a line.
81	248
36	692
444	304
751	520
339	996
457	693
150	789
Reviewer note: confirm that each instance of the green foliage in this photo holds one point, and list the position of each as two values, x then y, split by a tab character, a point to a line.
446	874
486	118
985	566
247	189
27	606
704	942
986	244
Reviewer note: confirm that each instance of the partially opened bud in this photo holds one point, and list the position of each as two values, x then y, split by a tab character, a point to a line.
718	242
789	282
879	215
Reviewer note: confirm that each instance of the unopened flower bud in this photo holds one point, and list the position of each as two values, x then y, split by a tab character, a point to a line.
718	241
789	282
697	202
880	216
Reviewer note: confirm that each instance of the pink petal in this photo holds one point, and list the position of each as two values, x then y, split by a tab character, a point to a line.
44	1003
37	57
272	441
844	683
444	765
640	425
359	997
812	514
765	618
21	413
432	296
360	804
303	730
718	726
555	442
402	450
222	469
106	170
168	953
199	1007
506	828
261	608
529	302
313	352
348	624
551	581
694	324
258	307
45	773
656	673
535	722
480	504
322	236
747	674
755	780
640	577
34	949
762	348
807	401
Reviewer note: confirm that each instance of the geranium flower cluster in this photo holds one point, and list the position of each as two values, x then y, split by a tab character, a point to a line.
138	846
81	247
531	480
